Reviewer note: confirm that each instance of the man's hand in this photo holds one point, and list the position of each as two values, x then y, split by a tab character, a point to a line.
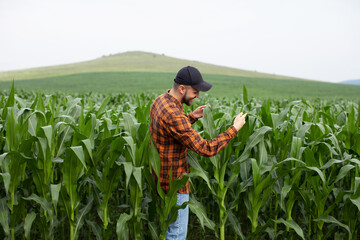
239	121
198	113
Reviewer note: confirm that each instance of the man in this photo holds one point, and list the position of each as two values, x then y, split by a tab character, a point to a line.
172	135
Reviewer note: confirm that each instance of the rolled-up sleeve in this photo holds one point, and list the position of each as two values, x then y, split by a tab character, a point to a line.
191	117
180	128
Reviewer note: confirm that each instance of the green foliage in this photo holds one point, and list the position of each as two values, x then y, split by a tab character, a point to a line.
82	165
157	82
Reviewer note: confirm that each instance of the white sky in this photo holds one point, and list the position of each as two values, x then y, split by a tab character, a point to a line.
314	39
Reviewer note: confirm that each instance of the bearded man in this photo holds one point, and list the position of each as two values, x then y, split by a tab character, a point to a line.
172	134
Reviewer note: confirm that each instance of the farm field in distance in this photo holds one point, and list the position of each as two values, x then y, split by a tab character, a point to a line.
136	72
150	82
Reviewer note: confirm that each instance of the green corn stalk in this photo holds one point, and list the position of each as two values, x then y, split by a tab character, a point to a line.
73	169
220	165
4	217
103	161
47	220
13	164
111	175
261	189
65	127
258	194
136	155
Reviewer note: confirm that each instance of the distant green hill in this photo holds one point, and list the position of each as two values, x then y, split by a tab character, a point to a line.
130	62
157	83
353	82
135	72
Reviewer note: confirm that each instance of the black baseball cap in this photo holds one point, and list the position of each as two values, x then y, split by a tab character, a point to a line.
192	77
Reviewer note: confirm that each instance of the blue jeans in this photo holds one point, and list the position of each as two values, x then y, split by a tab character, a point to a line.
178	229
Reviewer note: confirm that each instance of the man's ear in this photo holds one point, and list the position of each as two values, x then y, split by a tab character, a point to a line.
182	89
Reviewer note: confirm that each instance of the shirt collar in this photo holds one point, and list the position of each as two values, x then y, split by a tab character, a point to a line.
177	102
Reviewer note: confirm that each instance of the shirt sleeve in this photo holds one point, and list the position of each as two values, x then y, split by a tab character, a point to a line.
191	118
180	128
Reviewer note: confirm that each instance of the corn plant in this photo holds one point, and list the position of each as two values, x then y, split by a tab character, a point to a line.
81	167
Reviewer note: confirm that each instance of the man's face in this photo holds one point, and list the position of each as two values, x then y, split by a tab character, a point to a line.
190	94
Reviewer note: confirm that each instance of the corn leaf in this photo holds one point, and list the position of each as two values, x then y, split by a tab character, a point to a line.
29	219
45	205
209	126
356	201
198	170
254	139
88	147
343	172
110	182
255	172
81	216
245	95
6	178
128	172
331	219
55	191
138	176
236	225
321	174
71	172
129	125
293	225
330	163
132	148
155	159
4	216
357	184
79	152
10	102
199	210
284	192
153	231
103	106
95	229
122	229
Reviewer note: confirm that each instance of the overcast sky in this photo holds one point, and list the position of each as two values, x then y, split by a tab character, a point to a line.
314	39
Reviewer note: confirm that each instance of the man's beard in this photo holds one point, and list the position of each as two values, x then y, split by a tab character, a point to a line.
186	100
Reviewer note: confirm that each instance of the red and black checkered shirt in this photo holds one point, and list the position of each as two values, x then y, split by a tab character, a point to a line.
172	135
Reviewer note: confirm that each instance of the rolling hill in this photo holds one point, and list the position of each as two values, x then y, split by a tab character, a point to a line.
134	72
130	62
352	82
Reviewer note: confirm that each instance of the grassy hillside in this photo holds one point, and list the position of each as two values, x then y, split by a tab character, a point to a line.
232	86
135	72
129	62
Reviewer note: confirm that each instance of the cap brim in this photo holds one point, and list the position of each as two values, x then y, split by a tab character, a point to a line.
203	86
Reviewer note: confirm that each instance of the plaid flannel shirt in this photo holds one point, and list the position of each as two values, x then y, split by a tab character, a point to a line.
172	135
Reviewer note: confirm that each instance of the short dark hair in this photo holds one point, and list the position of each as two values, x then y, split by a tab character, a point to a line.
176	85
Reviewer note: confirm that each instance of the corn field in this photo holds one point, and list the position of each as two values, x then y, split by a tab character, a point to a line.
79	167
